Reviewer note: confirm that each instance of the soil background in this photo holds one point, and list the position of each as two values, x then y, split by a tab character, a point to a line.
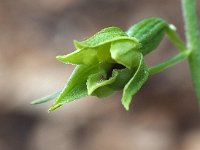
163	116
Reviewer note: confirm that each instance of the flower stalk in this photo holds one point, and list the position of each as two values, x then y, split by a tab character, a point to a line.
170	62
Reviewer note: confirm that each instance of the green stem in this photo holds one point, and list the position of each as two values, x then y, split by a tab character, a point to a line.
168	63
193	41
175	38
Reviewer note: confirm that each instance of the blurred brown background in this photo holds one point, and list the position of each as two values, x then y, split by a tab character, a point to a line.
163	116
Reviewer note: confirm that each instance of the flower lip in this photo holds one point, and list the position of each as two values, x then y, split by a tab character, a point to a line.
114	66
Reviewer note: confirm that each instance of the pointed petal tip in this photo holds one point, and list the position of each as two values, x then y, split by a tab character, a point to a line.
54	107
126	106
59	57
63	59
77	44
90	92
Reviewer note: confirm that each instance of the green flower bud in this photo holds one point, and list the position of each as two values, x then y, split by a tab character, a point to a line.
113	60
149	32
108	61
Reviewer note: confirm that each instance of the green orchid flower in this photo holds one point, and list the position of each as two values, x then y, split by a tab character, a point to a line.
112	60
106	62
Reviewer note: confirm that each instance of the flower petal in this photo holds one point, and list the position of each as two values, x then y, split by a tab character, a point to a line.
76	86
103	53
103	91
98	80
85	56
123	76
102	37
125	52
135	83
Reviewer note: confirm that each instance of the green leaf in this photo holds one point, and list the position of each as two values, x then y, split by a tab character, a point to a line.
46	98
135	83
104	36
125	52
76	86
98	80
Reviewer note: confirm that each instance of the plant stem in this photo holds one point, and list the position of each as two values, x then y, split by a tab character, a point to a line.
168	63
193	41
